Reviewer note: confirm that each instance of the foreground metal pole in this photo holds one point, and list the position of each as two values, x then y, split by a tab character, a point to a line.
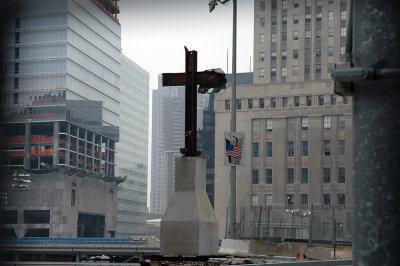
232	200
376	140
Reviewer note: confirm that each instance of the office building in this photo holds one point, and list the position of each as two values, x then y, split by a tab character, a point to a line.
168	139
297	131
131	156
60	115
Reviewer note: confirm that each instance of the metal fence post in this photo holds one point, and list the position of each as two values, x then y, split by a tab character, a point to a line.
310	228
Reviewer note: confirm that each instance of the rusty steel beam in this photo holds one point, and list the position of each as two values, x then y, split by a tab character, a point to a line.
206	78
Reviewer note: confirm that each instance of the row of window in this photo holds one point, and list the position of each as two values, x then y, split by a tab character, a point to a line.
290	176
295	53
308	17
326	148
327	123
341	201
285	4
284	101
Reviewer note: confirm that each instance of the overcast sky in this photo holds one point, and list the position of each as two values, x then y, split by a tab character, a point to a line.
154	33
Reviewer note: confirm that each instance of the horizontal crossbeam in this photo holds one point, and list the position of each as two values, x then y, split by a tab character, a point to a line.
204	78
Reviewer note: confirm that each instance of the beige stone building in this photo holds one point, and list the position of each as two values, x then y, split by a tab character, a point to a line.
297	131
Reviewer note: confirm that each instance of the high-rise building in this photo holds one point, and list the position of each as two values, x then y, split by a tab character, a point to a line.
131	156
297	131
168	139
60	114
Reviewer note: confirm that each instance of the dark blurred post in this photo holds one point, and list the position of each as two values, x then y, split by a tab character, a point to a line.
376	137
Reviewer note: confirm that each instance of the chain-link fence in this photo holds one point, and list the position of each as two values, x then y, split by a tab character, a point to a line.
313	224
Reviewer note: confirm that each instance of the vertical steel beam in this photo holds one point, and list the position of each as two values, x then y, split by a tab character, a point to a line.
190	103
376	138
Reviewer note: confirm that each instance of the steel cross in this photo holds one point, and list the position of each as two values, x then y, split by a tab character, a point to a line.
191	78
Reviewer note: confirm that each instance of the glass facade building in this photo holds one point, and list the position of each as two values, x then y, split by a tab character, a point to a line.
131	154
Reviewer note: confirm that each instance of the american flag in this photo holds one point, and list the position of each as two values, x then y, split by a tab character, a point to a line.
234	151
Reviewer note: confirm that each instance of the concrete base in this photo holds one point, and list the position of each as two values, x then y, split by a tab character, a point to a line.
189	226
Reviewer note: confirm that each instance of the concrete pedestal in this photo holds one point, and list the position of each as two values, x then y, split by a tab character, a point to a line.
189	226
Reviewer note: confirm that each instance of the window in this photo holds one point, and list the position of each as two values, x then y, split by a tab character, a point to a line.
268	199
341	147
295	4
330	32
295	70
308	34
320	100
327	175
269	124
308	100
342	50
341	201
330	67
269	149
296	19
304	123
295	35
333	99
308	18
326	201
261	103
304	201
262	5
304	175
330	51
319	17
254	200
343	32
341	175
273	71
262	22
273	55
345	99
284	102
318	52
317	68
268	176
261	72
273	102
304	148
250	103
284	4
295	53
290	124
284	54
239	104
327	147
290	148
318	34
343	15
9	216
342	123
290	175
254	176
255	125
330	15
284	72
261	56
255	149
308	2
262	38
284	21
327	122
227	105
307	69
273	4
36	216
296	100
273	37
290	203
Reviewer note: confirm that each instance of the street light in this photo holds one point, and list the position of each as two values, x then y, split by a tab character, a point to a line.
232	199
